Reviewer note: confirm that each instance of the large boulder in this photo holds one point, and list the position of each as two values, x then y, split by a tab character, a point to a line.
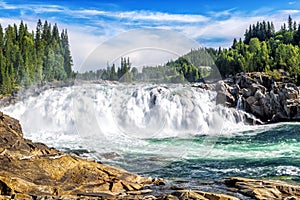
226	95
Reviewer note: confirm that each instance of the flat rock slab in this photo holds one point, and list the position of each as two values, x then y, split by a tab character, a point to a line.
34	169
264	189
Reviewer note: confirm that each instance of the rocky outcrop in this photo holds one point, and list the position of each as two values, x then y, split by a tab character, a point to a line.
269	99
264	189
34	171
193	194
28	170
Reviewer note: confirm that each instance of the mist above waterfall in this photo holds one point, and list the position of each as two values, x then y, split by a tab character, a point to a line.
115	117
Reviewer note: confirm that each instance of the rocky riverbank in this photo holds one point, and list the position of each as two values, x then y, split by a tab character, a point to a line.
267	98
34	171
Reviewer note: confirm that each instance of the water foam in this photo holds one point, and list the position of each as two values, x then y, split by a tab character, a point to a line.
120	118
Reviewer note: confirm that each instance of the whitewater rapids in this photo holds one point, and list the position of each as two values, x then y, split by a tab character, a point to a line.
120	118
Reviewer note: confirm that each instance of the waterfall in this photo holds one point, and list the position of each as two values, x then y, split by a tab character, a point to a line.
115	117
239	105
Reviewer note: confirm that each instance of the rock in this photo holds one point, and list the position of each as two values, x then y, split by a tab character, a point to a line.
193	194
110	155
226	95
259	95
267	98
255	87
221	86
264	189
34	171
203	86
250	100
30	169
225	98
246	92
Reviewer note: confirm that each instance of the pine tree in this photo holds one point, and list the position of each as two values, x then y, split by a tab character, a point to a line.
39	49
68	62
290	23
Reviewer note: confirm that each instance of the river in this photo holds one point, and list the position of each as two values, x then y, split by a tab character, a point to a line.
172	131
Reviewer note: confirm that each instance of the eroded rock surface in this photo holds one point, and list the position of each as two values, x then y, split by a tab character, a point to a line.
267	98
33	169
264	189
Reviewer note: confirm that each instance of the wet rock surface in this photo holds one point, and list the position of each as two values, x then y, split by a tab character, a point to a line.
269	99
264	189
28	170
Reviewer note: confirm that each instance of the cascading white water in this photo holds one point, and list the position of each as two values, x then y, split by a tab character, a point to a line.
239	105
120	118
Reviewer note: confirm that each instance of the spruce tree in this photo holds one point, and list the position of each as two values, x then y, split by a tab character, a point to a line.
68	62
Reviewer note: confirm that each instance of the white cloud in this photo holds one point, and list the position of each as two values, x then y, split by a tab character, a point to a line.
144	15
289	12
6	6
158	16
48	9
82	44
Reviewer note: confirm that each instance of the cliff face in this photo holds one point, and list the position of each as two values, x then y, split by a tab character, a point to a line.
268	99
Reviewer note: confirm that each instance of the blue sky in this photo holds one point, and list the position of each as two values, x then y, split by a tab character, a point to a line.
212	23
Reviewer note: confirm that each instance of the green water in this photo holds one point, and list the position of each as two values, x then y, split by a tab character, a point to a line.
271	152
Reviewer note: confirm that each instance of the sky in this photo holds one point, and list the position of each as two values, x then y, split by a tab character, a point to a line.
94	25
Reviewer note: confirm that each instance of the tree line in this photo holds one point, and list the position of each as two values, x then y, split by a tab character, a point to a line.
191	67
28	58
264	50
178	71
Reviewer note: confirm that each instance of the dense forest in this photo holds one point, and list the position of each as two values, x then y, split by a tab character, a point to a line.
264	50
28	58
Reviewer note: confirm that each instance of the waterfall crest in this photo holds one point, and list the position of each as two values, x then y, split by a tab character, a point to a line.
118	114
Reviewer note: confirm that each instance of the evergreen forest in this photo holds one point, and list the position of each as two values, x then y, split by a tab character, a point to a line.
29	58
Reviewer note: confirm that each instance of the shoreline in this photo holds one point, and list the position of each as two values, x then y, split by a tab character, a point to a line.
50	174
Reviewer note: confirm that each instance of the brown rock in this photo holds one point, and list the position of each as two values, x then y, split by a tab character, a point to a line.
225	98
193	194
251	100
264	189
33	169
